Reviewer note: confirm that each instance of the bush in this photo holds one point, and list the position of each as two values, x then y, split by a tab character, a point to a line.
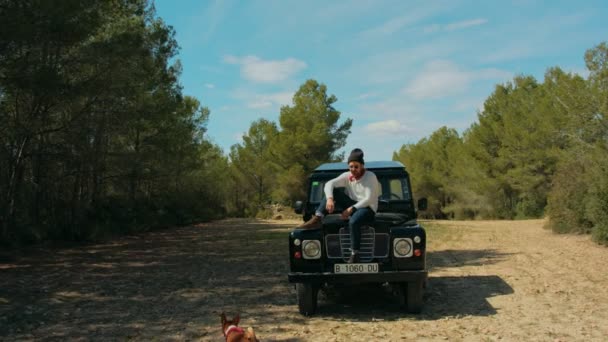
578	201
600	233
265	214
530	206
566	200
597	201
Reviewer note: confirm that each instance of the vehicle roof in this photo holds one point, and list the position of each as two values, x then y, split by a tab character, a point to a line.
372	165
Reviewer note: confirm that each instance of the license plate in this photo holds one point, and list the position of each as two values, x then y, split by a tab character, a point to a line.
355	268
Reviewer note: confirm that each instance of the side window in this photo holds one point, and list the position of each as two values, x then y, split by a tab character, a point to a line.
316	191
395	189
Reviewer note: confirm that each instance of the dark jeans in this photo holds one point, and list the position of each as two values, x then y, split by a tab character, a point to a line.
359	218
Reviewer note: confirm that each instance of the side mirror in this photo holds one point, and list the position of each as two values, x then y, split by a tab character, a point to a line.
422	203
298	206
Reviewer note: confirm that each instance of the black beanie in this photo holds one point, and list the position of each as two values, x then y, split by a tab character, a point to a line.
356	155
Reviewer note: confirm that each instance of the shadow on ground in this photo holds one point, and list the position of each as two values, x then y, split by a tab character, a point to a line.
444	297
458	258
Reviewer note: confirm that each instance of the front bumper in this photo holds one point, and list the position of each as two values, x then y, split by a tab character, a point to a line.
381	277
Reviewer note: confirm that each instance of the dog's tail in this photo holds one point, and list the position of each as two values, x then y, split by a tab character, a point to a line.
250	335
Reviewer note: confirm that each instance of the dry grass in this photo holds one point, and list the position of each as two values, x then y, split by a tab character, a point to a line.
489	280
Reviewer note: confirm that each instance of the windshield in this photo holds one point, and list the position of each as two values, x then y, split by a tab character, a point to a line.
392	189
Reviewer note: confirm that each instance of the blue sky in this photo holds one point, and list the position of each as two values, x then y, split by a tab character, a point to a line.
400	69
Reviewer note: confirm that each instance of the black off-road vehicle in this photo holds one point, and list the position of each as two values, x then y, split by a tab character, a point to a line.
393	248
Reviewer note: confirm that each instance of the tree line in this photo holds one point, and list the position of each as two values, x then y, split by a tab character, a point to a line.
97	137
538	149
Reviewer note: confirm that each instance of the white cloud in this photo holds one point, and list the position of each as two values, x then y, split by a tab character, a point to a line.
438	79
434	28
516	51
257	101
266	71
231	59
465	24
469	105
366	96
493	74
444	78
395	65
392	25
390	127
259	104
209	85
284	98
399	23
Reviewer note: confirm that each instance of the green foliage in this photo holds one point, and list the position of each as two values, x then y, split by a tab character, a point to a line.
272	164
310	135
566	201
96	136
264	214
597	201
253	167
578	201
579	197
291	184
512	143
430	164
503	165
537	148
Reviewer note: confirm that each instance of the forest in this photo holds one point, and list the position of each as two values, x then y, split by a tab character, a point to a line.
97	137
537	150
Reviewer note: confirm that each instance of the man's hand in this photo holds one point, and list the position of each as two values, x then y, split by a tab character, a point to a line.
346	213
330	206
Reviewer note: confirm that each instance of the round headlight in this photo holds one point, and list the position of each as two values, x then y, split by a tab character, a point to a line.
417	239
311	249
403	247
297	242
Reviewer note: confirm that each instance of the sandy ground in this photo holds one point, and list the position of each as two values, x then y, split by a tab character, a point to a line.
489	281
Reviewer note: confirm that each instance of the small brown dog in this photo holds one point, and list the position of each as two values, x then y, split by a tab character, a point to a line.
234	333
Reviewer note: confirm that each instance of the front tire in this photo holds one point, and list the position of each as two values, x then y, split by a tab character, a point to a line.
414	296
307	298
411	296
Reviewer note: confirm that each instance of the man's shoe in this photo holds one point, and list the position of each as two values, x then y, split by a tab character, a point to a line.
354	259
314	223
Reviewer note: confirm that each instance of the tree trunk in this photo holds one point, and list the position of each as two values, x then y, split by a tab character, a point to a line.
13	184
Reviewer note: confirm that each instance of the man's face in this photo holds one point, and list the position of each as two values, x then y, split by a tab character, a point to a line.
356	168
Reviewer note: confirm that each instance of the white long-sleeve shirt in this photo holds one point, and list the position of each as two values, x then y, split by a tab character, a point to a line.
364	190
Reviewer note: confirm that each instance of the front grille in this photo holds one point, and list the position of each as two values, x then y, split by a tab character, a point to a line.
372	245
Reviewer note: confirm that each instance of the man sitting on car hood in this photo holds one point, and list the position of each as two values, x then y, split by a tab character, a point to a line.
360	198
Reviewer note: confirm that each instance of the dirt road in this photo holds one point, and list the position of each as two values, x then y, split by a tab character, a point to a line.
489	281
